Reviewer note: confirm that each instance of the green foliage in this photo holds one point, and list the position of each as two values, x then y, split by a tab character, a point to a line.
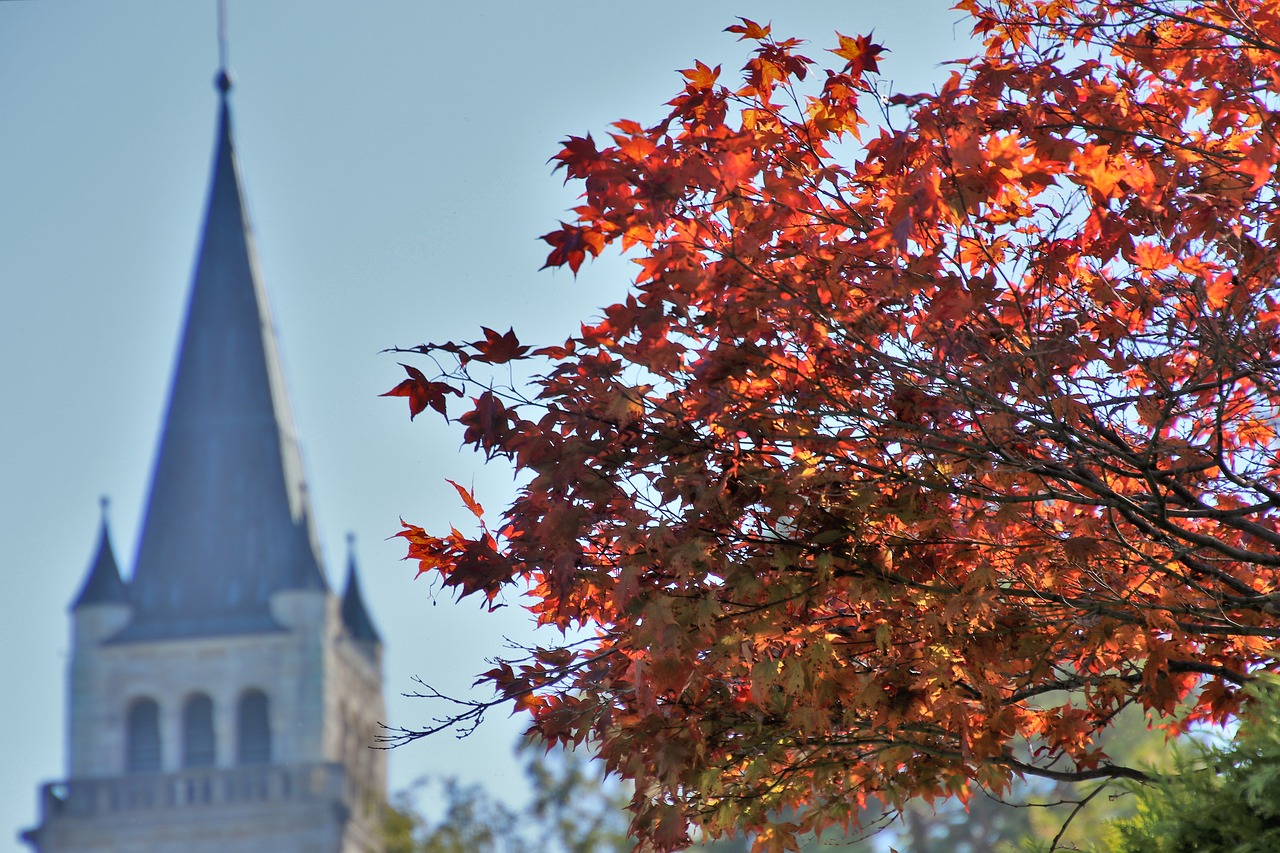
1036	814
473	822
574	809
1223	799
400	824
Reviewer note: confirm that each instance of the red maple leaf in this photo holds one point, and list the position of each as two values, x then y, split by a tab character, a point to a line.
571	245
422	392
488	424
498	348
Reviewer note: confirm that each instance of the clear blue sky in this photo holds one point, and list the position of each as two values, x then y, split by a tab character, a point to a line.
394	159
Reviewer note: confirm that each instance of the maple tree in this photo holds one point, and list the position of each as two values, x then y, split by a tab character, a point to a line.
915	452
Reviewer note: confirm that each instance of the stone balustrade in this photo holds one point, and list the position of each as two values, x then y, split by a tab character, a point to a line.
197	788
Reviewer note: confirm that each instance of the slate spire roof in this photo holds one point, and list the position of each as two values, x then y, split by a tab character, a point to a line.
102	585
354	614
228	521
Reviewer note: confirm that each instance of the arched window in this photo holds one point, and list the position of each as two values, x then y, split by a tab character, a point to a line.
253	729
142	737
199	748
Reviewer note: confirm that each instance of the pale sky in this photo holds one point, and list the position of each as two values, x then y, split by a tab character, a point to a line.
394	161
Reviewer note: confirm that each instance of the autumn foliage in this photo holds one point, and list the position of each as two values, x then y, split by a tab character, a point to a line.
934	431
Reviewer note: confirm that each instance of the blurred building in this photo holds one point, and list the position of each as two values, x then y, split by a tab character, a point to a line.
223	699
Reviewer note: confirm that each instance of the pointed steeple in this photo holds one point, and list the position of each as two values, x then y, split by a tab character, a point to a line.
228	521
102	585
354	614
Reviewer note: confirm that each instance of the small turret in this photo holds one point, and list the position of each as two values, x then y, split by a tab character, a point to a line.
355	616
102	608
102	585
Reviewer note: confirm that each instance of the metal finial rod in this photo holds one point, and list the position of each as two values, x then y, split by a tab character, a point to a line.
222	35
222	80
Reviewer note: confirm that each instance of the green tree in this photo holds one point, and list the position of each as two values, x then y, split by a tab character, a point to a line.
1035	814
472	822
574	809
1223	798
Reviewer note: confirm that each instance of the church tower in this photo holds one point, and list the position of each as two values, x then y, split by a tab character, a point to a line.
223	699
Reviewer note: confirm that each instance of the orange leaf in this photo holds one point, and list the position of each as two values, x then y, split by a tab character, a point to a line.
860	52
469	499
1093	167
700	76
749	29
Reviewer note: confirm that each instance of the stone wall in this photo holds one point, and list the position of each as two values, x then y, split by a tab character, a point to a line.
322	790
289	667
